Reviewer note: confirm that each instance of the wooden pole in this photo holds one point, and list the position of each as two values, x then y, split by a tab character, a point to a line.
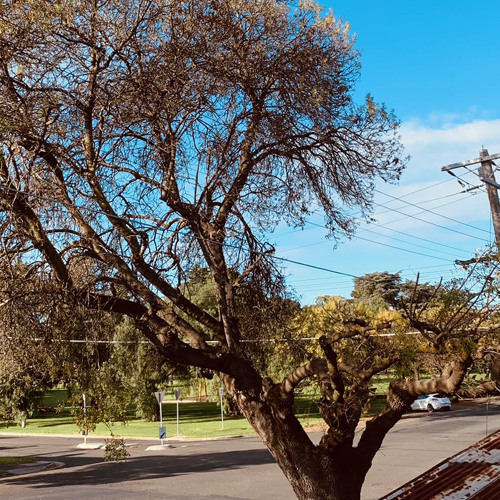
488	177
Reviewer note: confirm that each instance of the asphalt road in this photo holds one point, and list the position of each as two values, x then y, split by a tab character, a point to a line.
239	468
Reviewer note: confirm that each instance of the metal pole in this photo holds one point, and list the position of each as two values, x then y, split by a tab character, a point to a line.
221	391
177	417
161	421
487	409
85	419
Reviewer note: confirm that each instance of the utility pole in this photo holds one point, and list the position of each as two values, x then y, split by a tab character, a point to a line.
488	177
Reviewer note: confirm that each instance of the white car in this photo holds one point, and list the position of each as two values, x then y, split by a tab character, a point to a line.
431	402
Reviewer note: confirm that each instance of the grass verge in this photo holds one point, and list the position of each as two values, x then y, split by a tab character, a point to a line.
196	421
9	461
16	460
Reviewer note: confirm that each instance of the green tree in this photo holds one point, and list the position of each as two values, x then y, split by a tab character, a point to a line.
267	317
47	341
384	287
141	369
26	367
22	383
140	139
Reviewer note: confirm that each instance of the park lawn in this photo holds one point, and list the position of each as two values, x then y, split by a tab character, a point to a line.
197	420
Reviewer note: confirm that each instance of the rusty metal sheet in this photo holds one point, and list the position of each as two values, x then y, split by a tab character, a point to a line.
471	474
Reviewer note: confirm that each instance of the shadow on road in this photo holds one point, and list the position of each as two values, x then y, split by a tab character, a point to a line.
86	470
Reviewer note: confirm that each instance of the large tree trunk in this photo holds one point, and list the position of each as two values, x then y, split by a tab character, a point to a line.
311	472
495	364
487	388
333	469
482	390
314	471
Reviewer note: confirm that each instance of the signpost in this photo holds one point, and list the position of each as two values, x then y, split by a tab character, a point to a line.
163	431
163	434
177	393
85	428
221	392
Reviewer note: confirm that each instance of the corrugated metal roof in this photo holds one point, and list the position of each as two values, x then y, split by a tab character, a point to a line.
471	474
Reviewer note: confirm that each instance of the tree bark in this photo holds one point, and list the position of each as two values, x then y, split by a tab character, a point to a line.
315	473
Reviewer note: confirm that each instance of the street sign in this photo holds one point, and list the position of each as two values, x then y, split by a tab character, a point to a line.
177	394
159	396
221	391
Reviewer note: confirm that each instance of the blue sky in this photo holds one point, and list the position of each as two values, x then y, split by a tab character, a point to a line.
435	63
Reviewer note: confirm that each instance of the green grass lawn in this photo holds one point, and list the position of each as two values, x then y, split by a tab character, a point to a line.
196	420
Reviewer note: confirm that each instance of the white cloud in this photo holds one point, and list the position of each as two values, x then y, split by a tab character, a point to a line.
431	148
475	134
427	187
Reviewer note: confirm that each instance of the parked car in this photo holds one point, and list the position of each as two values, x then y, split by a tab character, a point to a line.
431	402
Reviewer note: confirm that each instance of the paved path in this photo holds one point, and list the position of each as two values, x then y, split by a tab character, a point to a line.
228	469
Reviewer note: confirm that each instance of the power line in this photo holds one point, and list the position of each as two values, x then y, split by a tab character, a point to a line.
415	244
210	342
406	216
415	237
311	266
402	249
385	236
427	187
465	191
379	243
430	211
429	222
153	226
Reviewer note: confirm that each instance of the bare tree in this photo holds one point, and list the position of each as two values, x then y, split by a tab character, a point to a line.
142	138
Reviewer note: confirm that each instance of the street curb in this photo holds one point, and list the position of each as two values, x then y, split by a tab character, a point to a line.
33	468
175	439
